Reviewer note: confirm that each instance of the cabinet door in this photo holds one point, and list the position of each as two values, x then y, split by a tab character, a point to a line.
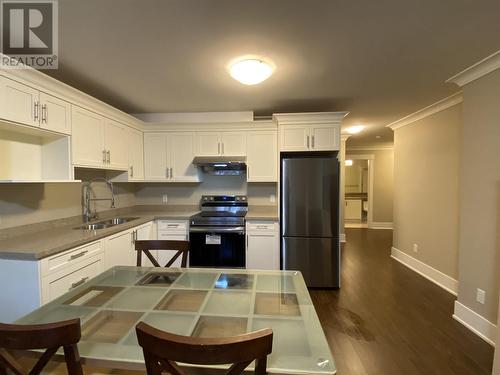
19	102
262	251
294	138
115	136
180	149
55	114
325	138
87	138
155	156
147	232
233	143
135	155
119	250
353	209
262	156
208	144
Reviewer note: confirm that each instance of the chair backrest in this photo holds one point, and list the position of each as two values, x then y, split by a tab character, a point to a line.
41	336
162	350
182	248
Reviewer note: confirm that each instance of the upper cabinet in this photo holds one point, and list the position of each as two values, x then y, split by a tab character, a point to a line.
29	106
97	141
229	143
169	157
310	131
262	156
135	155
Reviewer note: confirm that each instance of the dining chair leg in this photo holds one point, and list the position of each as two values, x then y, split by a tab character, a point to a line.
261	366
139	258
73	362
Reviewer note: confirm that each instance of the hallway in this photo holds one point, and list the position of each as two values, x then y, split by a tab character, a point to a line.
387	319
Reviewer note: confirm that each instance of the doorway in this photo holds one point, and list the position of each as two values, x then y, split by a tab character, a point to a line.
358	191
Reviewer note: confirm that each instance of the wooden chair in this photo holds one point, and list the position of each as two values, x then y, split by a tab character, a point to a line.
41	336
162	350
182	248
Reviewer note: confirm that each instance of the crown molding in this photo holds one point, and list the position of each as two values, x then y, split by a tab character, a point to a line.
179	127
345	136
195	117
439	106
309	118
370	148
479	69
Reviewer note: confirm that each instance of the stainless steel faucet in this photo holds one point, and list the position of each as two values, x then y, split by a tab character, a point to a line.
86	188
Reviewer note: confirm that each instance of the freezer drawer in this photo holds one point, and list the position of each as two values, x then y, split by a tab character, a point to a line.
317	258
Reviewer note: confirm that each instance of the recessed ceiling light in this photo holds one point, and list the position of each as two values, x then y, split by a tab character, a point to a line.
251	71
378	136
348	163
355	129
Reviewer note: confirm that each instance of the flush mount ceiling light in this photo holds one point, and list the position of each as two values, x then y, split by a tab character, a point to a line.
355	129
251	71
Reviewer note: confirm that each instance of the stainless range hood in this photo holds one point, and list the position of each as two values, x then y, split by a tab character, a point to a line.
221	165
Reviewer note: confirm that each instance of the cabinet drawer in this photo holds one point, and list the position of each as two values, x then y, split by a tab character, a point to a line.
59	261
57	284
262	226
172	226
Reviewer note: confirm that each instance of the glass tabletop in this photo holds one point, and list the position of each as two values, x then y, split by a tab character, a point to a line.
193	302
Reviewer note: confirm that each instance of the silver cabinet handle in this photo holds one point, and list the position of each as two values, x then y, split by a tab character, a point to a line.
222	148
312	141
44	113
307	141
108	153
75	256
104	156
36	111
171	173
78	283
247	242
132	237
218	148
131	171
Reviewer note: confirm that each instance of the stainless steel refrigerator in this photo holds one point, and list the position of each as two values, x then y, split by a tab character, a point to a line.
310	217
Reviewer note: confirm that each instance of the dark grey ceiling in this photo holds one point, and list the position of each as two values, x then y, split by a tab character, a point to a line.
378	59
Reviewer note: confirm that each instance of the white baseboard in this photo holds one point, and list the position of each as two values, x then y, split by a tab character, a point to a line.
475	322
437	277
380	225
342	237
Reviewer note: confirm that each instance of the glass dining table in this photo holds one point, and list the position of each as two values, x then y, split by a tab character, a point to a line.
193	302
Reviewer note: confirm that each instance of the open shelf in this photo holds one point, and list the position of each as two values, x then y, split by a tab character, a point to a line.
32	155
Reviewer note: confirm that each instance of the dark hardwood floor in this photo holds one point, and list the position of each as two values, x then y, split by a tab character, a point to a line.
387	319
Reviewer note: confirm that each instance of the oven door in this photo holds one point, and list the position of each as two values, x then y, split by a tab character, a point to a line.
217	247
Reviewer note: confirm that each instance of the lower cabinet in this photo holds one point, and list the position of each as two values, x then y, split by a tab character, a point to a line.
262	245
173	230
120	249
144	233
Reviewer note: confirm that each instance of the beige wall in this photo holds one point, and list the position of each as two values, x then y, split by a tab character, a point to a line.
426	189
383	182
258	194
480	196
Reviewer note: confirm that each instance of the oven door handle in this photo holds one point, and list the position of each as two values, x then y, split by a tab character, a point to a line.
217	230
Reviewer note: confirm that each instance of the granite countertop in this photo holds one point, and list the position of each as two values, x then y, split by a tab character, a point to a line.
41	240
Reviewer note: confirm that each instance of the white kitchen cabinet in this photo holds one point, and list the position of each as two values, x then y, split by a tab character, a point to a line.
55	114
135	155
262	250
169	157
310	137
172	230
180	154
155	156
225	143
146	232
120	249
262	156
87	138
115	141
19	102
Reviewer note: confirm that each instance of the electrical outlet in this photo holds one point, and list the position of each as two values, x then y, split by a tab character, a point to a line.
272	198
165	198
480	296
415	248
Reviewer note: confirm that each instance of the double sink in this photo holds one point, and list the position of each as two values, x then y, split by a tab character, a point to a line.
108	223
